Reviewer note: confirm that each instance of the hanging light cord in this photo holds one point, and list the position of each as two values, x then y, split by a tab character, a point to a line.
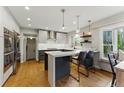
89	24
63	10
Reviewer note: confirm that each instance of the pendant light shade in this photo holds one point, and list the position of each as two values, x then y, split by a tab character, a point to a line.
89	33
63	25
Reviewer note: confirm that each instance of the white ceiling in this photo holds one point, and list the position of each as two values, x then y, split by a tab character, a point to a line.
51	16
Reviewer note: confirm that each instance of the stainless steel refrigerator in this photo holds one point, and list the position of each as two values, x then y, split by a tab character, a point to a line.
16	52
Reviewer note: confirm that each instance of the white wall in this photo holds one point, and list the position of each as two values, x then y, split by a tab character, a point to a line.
6	20
23	42
28	31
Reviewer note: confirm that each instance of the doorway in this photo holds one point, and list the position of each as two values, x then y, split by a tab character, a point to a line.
31	49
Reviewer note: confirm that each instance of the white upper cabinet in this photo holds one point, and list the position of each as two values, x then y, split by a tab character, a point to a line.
61	38
43	36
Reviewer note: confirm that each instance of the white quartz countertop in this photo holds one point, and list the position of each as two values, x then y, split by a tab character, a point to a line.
64	53
61	53
120	65
56	49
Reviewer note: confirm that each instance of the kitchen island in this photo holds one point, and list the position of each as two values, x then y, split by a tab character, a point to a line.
46	55
58	65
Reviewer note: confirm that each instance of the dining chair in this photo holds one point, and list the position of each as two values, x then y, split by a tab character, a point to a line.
113	62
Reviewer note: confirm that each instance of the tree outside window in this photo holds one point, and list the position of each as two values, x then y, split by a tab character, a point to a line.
120	43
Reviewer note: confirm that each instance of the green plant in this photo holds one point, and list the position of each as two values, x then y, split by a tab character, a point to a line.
119	45
120	40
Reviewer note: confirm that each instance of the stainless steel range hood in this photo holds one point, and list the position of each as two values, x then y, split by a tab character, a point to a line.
52	35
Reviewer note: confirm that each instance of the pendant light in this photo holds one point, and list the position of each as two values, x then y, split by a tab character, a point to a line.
63	11
89	33
78	27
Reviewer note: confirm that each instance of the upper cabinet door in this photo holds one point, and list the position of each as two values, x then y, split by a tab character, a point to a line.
43	36
61	38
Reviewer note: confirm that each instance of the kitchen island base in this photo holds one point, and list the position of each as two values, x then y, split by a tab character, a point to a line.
58	67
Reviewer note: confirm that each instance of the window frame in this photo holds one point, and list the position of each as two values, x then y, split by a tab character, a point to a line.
103	45
114	42
117	29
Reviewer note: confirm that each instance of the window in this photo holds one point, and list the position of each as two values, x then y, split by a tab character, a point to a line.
112	40
107	43
120	41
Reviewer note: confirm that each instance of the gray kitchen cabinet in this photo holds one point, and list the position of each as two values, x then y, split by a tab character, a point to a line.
61	38
43	36
41	54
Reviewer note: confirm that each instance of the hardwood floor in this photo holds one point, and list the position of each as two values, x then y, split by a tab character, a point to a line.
29	74
98	79
32	74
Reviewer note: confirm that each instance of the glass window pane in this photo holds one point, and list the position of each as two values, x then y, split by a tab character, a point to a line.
107	37
107	43
120	44
107	50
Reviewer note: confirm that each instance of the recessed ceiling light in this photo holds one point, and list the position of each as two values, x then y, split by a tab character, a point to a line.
29	24
74	22
27	8
28	19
